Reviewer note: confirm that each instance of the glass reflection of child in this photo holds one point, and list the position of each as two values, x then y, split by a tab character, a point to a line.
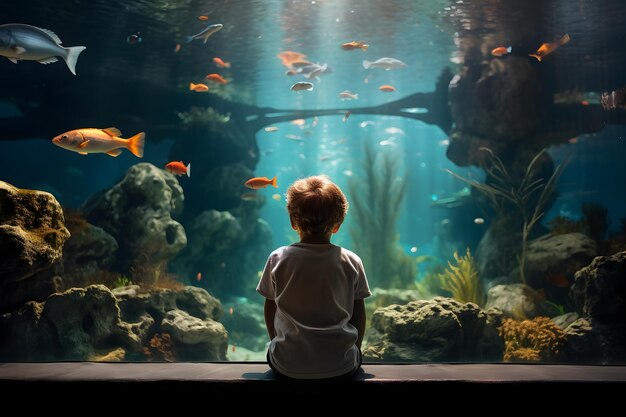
314	290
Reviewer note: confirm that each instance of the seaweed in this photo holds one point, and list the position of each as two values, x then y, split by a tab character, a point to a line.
376	200
562	225
529	195
462	280
534	340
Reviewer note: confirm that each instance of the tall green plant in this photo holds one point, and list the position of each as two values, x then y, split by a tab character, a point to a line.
375	201
462	280
529	195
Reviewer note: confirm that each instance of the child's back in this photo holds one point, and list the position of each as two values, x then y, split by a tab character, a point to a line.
314	290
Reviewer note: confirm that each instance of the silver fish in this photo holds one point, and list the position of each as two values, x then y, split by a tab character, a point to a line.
20	42
299	86
386	63
206	32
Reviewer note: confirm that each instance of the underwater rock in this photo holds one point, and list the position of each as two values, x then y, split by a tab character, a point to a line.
386	296
599	290
32	234
497	99
87	252
74	325
558	256
564	320
518	301
87	320
135	301
441	329
28	337
196	339
588	341
138	212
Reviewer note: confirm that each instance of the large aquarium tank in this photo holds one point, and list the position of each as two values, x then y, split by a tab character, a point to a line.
481	146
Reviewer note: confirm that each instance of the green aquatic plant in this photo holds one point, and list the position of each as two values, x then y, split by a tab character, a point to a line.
122	281
462	280
529	195
204	117
375	200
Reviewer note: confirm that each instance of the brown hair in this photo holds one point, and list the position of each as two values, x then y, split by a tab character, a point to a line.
316	205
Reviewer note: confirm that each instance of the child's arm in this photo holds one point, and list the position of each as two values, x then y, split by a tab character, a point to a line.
270	312
357	319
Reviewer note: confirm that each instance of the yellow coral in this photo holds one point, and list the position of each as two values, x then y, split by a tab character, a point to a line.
462	280
536	340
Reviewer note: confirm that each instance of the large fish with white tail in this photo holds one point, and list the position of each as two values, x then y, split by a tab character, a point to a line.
106	141
20	42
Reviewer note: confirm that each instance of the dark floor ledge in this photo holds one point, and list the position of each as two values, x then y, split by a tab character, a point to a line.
253	377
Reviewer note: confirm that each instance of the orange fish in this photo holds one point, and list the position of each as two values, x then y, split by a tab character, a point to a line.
558	280
233	349
200	88
231	311
387	88
177	48
350	46
108	141
584	102
288	57
217	78
178	168
203	17
260	182
298	122
220	63
199	276
548	48
345	116
501	50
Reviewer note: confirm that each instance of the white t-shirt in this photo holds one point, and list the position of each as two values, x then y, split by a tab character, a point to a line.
314	287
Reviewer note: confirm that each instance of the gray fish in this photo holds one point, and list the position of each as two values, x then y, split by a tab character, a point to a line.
206	32
299	86
20	42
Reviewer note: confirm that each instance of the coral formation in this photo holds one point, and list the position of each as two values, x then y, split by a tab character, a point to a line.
462	280
536	340
160	348
375	201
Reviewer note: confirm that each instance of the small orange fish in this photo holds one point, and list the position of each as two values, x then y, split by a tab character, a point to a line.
501	50
558	280
350	46
217	78
233	349
231	311
220	63
199	276
298	122
178	168
203	17
260	182
573	140
345	116
387	88
177	48
200	88
584	102
548	48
